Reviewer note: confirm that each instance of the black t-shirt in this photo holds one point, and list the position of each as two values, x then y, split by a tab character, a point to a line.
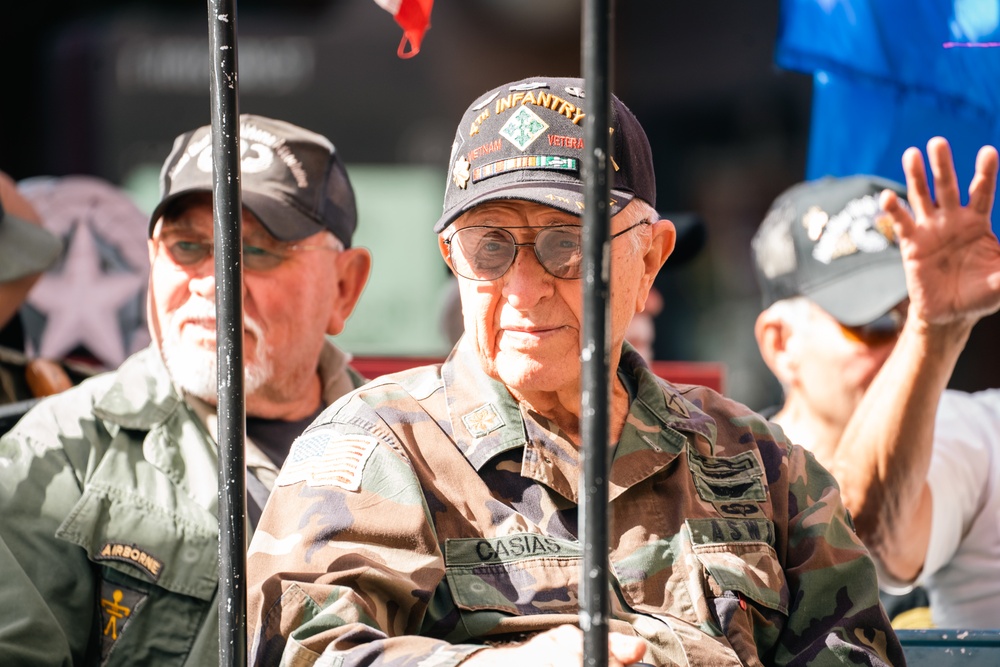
275	436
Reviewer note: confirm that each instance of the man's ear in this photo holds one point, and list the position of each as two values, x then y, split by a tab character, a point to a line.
661	243
353	268
773	334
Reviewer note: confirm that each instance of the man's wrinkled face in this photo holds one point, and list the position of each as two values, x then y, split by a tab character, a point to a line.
526	324
288	294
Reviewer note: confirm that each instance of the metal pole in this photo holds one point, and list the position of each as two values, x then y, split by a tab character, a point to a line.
595	422
229	331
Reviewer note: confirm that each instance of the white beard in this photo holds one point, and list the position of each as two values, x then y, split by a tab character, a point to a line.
194	369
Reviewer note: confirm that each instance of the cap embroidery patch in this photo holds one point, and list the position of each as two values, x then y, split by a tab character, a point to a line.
857	228
483	421
814	222
523	127
460	173
531	85
555	162
326	458
485	102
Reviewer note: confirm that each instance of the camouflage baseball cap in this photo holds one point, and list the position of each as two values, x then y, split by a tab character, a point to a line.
830	241
292	179
524	140
25	248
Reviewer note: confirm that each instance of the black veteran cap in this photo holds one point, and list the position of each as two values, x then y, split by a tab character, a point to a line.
292	179
828	240
524	140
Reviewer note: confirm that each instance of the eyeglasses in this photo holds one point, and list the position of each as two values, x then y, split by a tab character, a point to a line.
188	250
880	330
487	253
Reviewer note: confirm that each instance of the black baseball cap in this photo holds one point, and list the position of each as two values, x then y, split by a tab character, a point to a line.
524	140
292	179
830	241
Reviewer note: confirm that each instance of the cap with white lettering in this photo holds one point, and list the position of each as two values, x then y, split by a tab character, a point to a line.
524	140
830	241
291	179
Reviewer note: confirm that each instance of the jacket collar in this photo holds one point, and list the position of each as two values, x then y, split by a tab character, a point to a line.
486	419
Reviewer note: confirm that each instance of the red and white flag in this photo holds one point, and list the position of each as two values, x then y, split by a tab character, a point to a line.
414	17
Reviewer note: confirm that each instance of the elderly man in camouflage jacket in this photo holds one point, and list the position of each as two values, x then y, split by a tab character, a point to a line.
431	517
108	491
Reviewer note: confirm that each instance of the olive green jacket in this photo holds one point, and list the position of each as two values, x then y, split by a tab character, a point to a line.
108	505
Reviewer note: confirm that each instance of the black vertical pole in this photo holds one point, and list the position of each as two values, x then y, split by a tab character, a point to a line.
595	428
229	331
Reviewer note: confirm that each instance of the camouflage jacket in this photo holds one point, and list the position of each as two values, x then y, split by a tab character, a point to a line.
108	504
429	514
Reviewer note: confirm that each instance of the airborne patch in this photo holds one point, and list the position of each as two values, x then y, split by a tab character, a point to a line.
483	421
326	458
133	555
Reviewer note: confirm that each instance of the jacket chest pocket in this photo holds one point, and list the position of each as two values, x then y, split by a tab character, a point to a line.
709	559
518	574
156	574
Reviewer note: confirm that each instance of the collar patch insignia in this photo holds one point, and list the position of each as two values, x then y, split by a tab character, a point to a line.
133	555
483	421
523	127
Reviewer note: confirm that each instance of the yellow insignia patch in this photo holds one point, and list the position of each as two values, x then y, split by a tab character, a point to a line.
118	606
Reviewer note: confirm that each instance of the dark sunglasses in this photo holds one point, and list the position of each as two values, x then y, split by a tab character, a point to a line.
487	253
880	330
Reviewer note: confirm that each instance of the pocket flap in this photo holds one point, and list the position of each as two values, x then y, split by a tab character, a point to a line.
135	537
752	568
524	573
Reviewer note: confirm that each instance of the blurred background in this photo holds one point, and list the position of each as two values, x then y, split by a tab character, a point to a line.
101	88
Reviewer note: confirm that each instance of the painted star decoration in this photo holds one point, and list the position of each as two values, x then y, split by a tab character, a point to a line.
82	303
94	297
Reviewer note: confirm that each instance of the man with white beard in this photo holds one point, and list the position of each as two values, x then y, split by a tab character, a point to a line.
108	491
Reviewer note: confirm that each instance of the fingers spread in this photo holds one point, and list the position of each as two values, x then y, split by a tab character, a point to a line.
982	189
901	218
918	192
943	168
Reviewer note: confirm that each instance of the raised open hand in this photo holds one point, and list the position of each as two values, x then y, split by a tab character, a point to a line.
950	254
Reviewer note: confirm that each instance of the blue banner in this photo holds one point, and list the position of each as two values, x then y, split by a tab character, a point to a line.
889	74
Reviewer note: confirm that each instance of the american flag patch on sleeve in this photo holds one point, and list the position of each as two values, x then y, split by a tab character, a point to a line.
326	458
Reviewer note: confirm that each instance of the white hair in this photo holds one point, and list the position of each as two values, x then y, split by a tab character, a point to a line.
636	212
